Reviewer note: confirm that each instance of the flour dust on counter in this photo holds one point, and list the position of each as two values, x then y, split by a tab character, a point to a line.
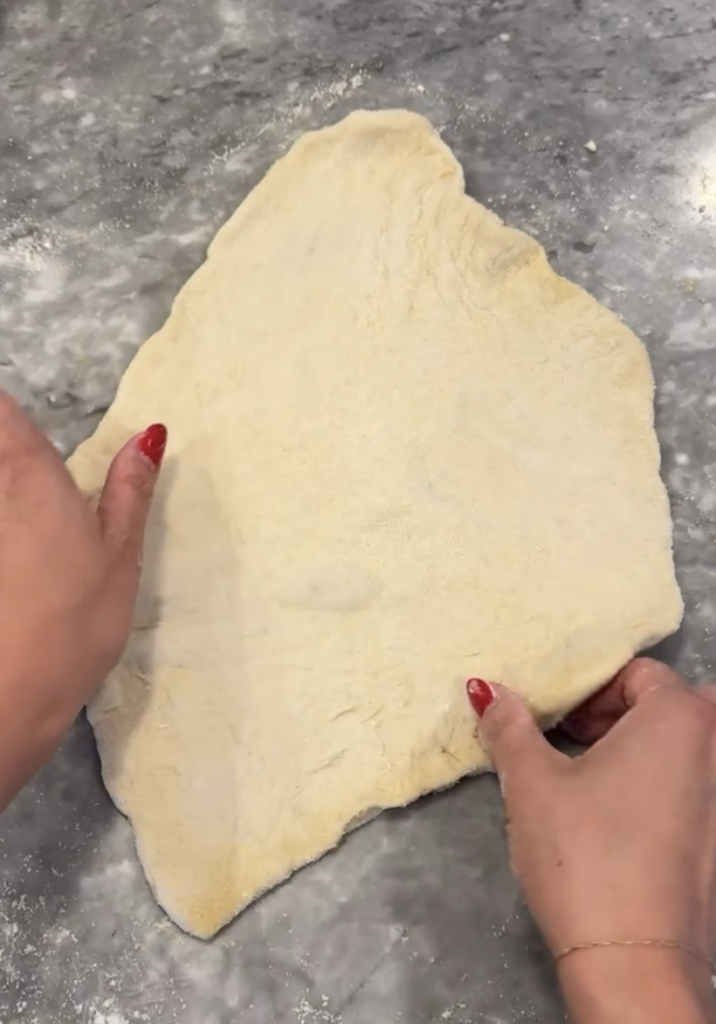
402	451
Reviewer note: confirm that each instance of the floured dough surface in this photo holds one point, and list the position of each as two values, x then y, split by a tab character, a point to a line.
402	452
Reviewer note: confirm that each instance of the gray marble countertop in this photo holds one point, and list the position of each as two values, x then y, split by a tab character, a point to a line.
129	130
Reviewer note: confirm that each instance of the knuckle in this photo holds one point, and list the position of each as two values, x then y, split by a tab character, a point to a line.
115	537
134	474
504	724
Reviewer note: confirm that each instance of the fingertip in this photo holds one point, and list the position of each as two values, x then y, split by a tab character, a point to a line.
152	443
129	488
481	694
497	706
509	732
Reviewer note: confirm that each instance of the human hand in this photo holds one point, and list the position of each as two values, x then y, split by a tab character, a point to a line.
618	845
68	582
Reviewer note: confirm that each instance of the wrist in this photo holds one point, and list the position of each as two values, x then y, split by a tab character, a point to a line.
636	985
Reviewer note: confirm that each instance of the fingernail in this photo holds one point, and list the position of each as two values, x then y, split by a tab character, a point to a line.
481	695
152	443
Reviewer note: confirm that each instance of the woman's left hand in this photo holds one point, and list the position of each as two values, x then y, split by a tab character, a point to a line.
68	582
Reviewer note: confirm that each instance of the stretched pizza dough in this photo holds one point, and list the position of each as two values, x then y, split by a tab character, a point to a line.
403	452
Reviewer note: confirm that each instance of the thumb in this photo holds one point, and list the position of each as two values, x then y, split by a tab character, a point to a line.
127	493
509	731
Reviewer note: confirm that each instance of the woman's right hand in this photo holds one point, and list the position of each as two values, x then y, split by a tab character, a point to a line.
618	845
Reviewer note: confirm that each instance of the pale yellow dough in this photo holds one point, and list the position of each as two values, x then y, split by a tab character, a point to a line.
402	452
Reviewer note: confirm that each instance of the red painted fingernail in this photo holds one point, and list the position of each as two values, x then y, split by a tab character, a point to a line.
153	442
481	695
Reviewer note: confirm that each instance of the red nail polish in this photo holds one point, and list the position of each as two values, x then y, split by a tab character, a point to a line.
481	695
153	442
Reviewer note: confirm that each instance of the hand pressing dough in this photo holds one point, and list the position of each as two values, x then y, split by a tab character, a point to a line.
402	452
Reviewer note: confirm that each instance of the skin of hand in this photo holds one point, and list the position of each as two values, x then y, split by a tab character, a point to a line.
68	582
619	843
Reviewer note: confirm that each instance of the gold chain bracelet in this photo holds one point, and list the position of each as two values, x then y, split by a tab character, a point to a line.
658	943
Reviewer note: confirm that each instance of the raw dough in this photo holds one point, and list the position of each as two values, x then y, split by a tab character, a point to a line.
402	452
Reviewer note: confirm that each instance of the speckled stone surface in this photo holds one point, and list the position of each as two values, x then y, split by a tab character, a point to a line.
129	130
